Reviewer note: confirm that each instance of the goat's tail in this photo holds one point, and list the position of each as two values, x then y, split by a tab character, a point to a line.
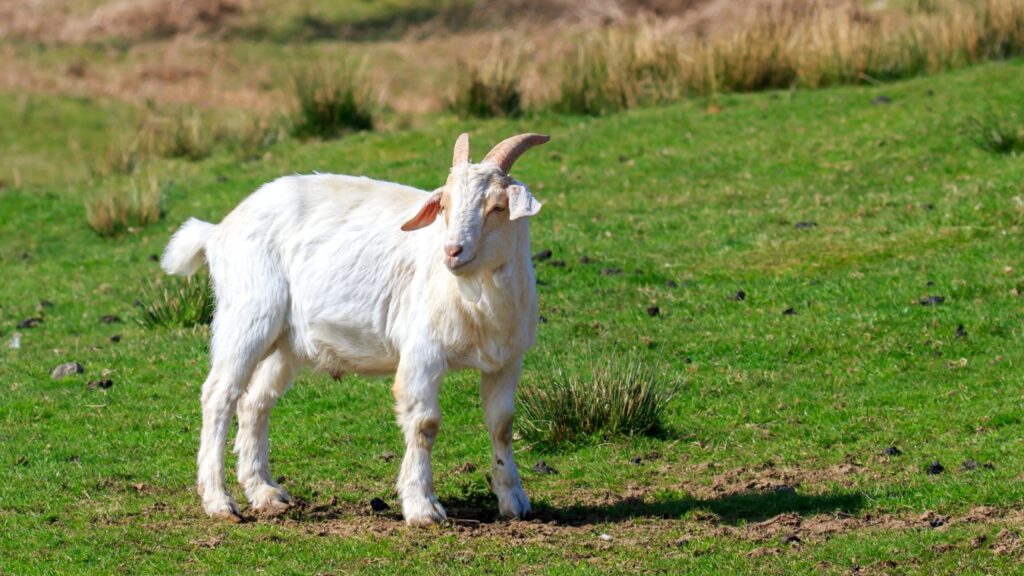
186	251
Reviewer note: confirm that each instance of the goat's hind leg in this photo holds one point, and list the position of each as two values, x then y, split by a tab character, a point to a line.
242	334
269	382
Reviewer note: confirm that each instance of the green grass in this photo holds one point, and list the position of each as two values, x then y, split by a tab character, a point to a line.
904	207
623	396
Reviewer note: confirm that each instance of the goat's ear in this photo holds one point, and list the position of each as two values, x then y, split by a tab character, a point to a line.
520	202
427	214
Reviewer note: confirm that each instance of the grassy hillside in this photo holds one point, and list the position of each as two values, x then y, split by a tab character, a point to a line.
848	208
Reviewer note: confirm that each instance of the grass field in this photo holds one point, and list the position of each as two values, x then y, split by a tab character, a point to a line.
848	208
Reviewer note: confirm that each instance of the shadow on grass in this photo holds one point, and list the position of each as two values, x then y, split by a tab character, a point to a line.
732	509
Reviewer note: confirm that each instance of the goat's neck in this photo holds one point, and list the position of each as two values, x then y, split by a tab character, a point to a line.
502	322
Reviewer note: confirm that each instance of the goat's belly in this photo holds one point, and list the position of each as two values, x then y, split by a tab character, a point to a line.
351	349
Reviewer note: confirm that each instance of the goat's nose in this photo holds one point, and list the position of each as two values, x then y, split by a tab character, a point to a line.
453	250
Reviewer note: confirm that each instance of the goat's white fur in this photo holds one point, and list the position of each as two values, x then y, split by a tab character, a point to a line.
315	269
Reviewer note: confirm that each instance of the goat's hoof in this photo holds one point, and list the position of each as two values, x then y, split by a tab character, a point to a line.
514	504
229	516
271	501
223	509
422	511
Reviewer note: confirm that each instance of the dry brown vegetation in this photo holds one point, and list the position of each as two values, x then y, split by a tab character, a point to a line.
119	208
588	57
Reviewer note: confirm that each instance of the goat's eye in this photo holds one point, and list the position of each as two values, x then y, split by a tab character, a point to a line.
498	209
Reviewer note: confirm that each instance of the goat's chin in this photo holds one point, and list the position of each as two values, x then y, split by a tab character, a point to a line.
461	268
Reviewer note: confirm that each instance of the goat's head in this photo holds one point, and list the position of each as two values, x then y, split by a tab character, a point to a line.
482	205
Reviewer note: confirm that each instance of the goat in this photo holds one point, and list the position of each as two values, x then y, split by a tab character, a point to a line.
353	275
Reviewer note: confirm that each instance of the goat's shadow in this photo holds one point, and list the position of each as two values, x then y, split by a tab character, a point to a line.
732	509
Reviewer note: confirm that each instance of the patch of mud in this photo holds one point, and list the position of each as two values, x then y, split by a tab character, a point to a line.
769	478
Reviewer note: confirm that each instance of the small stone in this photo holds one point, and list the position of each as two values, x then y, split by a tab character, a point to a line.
387	456
881	99
935	468
102	384
66	369
892	451
636	459
932	300
542	255
378	505
542	320
110	319
805	225
15	342
653	311
739	296
29	322
960	332
789	312
541	467
672	284
605	537
611	271
115	338
785	489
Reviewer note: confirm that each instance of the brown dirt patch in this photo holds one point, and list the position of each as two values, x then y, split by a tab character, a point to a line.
554	525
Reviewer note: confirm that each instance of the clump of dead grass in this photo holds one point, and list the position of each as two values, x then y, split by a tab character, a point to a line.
611	70
492	87
332	101
117	207
250	136
810	44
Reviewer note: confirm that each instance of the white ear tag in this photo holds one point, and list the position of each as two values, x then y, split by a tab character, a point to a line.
521	202
470	288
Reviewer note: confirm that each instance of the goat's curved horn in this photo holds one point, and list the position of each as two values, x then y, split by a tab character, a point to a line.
461	154
509	150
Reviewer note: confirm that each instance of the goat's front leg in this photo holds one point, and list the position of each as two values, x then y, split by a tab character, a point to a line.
498	392
416	390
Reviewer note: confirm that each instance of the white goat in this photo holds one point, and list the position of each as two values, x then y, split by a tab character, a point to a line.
352	275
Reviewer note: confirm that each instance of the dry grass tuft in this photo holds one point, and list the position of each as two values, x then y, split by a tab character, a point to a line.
117	209
332	101
809	44
492	87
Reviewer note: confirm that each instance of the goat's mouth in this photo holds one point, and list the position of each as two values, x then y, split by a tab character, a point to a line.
456	265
